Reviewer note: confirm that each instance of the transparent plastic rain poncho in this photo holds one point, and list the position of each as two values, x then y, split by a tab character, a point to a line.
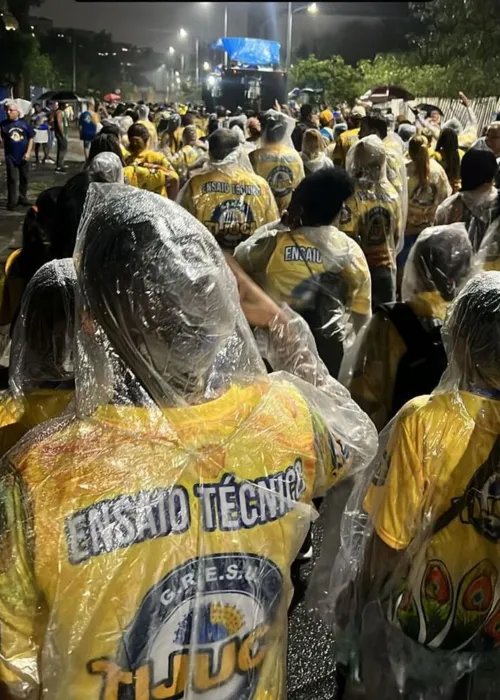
106	167
276	159
488	255
413	592
380	237
321	273
476	208
42	354
41	357
229	198
437	266
167	512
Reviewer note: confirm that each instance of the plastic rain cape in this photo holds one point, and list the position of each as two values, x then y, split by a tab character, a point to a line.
438	265
413	591
394	171
367	162
168	510
42	355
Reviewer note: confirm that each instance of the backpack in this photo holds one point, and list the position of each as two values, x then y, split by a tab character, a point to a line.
424	361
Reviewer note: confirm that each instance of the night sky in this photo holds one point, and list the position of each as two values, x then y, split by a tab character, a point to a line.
370	26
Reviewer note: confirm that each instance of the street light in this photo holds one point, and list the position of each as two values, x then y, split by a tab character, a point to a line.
171	50
206	65
182	33
313	9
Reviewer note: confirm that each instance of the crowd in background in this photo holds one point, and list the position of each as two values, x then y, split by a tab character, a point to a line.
197	359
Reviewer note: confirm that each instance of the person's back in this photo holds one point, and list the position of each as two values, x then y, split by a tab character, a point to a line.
228	198
477	204
41	356
373	216
433	525
313	267
168	511
428	186
276	160
401	354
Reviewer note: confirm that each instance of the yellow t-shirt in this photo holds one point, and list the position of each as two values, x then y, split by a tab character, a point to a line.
231	205
296	260
153	134
373	218
346	140
283	169
39	406
423	200
163	547
442	460
139	175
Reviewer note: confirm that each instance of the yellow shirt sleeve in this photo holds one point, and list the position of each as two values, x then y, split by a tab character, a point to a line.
272	212
359	276
187	200
19	595
394	499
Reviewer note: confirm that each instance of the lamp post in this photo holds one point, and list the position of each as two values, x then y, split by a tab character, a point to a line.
313	9
206	4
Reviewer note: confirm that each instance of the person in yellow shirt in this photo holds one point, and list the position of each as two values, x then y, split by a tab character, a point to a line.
149	169
449	155
41	357
307	263
143	118
276	160
428	186
431	566
401	353
227	196
372	216
193	154
168	511
376	124
348	138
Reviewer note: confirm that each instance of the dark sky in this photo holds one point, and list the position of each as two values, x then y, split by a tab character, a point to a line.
155	23
146	23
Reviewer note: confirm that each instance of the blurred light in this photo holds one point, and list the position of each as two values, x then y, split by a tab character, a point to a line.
182	33
178	81
205	4
206	65
124	49
171	50
313	8
32	27
210	81
177	73
114	54
32	33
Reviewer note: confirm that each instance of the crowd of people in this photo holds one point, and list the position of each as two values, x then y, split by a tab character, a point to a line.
221	325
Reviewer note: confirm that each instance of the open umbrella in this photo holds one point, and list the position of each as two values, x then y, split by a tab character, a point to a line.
428	108
60	96
112	97
384	93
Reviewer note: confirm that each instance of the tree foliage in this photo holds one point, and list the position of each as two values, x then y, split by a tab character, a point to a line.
339	80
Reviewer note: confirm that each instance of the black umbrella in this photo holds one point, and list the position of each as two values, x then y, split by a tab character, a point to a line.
427	108
60	96
381	93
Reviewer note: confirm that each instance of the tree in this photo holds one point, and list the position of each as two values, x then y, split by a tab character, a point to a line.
449	29
339	81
